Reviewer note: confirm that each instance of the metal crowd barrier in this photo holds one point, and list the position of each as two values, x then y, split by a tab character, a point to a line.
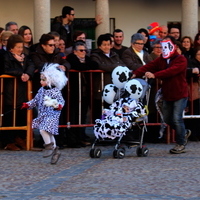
91	72
27	128
66	124
67	98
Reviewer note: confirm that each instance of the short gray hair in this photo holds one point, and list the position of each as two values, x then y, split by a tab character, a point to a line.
157	41
137	36
7	26
78	43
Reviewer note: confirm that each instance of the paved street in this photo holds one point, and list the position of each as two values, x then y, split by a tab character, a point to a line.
26	175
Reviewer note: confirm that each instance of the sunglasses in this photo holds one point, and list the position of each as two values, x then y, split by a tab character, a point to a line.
51	45
82	50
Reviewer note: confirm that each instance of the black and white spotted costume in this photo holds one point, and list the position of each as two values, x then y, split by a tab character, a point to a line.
48	117
116	120
49	102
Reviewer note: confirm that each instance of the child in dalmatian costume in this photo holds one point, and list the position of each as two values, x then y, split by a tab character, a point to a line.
49	102
116	120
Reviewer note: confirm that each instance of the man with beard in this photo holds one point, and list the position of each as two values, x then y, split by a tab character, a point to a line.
118	39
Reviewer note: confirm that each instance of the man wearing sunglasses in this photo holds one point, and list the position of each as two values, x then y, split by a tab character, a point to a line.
66	24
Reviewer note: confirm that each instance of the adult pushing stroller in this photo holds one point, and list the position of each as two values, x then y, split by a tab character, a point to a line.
124	114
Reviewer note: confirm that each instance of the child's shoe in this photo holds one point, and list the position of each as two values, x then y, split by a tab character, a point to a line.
55	156
48	150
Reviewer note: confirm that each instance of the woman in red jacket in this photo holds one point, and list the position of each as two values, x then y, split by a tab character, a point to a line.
171	67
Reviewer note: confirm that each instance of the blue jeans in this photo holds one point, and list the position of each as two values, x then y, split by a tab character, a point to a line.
173	116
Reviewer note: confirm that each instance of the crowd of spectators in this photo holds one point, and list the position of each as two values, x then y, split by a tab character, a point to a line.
66	45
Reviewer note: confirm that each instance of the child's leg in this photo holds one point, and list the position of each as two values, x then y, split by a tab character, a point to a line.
49	145
52	138
56	154
46	136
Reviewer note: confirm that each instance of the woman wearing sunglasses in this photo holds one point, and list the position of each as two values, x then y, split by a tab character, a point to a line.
81	62
46	53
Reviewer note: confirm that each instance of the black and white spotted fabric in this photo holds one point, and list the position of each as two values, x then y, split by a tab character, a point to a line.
116	120
48	117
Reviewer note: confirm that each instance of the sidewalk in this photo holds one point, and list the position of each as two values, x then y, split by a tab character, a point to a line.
25	175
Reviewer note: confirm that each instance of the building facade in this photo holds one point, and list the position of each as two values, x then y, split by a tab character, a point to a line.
128	15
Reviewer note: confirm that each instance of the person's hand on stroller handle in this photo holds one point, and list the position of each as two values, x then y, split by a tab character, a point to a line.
149	75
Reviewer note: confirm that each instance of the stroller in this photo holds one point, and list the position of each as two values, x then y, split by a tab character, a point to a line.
118	123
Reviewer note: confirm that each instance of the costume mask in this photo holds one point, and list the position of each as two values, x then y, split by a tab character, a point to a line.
168	48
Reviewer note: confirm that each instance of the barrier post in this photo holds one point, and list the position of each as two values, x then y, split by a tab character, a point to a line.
27	127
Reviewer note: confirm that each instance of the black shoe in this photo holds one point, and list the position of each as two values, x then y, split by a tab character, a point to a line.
55	156
187	135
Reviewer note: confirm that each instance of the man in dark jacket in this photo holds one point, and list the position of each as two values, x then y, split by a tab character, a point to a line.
171	67
107	61
66	24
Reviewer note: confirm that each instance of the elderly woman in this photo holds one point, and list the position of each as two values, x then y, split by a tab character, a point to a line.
157	49
17	64
134	57
79	61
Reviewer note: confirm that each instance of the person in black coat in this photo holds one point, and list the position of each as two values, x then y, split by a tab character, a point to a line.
46	53
81	62
66	24
107	61
17	64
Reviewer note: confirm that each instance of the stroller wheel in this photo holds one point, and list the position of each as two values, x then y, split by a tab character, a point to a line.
142	152
120	153
92	153
145	151
97	153
115	153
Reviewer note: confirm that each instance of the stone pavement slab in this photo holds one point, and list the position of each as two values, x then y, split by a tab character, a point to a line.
25	175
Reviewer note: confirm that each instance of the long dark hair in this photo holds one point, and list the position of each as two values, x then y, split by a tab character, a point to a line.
197	36
22	30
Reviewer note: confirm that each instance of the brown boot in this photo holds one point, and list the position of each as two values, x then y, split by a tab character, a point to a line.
12	147
55	156
48	150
